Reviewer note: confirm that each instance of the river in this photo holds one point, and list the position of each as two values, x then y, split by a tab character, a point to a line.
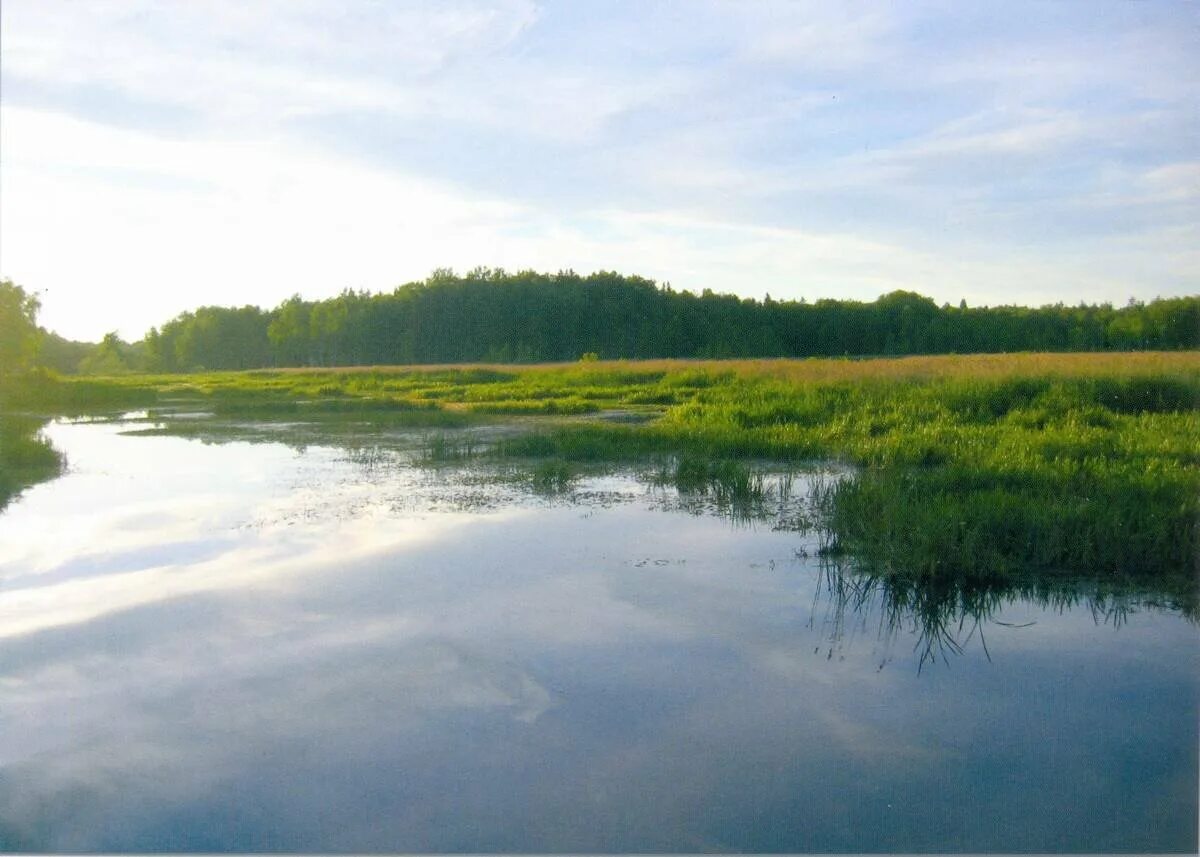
295	638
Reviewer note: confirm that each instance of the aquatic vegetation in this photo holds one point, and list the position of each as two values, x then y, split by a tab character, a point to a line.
583	442
968	466
552	477
442	449
728	481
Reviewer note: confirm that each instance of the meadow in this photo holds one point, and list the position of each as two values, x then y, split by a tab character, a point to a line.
965	467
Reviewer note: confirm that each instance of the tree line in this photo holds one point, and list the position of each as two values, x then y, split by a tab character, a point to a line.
494	316
23	344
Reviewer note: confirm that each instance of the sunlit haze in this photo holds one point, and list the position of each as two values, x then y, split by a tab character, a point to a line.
158	156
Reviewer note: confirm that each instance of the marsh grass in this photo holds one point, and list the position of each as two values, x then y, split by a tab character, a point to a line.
43	392
969	466
550	406
445	449
727	481
552	477
584	442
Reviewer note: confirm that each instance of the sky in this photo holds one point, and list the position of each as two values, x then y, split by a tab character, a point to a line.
159	156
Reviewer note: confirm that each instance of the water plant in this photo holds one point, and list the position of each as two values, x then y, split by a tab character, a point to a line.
444	449
551	477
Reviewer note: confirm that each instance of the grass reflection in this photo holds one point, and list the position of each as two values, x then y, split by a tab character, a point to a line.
944	616
26	457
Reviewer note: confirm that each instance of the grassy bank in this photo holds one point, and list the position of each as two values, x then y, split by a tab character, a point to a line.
972	466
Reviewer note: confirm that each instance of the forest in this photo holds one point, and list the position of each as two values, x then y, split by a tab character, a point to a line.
527	317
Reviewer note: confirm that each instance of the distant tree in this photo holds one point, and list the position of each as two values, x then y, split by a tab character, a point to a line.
62	355
19	333
288	332
108	358
490	314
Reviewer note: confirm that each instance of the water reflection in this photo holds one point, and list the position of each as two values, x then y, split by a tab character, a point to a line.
317	646
944	616
26	458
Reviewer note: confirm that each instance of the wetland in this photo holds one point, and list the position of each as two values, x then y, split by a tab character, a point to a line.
926	605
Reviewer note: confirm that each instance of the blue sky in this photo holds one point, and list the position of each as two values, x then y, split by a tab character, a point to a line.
157	156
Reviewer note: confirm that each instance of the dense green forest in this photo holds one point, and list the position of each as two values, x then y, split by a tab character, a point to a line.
528	317
494	316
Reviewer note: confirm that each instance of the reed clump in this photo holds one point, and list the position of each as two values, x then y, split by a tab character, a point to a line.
728	482
552	477
445	449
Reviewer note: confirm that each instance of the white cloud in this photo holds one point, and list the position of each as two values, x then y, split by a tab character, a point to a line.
124	230
1033	136
1174	182
831	36
243	68
796	148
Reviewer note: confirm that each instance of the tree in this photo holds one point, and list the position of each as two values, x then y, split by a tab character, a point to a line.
19	334
108	358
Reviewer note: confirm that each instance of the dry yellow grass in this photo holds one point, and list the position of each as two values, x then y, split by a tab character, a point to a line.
843	369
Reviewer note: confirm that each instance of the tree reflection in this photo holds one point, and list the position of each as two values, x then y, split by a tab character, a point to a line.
26	457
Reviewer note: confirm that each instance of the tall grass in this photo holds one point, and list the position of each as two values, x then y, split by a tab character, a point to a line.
443	449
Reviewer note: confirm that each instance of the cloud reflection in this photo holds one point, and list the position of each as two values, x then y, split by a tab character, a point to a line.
341	668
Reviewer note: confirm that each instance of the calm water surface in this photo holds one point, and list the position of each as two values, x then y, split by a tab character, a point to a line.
263	646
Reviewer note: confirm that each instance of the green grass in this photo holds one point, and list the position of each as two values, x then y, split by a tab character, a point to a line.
552	477
440	449
728	482
976	466
43	392
972	477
